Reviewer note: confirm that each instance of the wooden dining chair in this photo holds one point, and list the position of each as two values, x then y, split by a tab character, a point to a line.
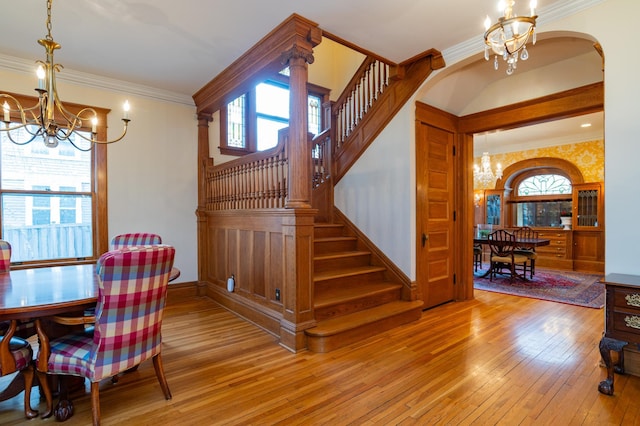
135	239
477	257
131	298
16	354
526	232
502	246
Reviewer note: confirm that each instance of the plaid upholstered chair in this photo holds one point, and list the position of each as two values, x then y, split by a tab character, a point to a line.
135	239
5	256
16	354
131	298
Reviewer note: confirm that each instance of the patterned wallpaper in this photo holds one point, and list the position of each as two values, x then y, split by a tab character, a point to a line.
587	156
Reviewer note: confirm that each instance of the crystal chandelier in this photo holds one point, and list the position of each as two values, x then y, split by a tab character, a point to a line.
49	118
508	37
483	173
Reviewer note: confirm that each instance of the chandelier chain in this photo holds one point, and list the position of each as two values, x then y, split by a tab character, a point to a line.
49	37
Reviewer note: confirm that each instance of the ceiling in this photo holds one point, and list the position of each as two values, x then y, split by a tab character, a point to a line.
179	46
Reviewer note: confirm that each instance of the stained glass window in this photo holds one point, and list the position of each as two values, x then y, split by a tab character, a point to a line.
544	185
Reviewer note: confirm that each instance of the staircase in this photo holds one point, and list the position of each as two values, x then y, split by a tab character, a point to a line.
353	297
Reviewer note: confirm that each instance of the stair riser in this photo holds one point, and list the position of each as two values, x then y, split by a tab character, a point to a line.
327	231
367	301
355	280
326	247
341	262
329	343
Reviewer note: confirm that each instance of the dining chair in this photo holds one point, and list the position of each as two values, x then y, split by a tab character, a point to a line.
477	257
16	354
128	320
526	232
502	246
135	239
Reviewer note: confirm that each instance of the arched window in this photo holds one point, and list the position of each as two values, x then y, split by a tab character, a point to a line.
544	185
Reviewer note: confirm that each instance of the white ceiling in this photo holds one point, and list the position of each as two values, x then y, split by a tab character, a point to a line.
178	46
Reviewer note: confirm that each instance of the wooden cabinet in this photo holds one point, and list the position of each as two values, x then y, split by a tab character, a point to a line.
588	251
587	206
494	207
622	322
558	254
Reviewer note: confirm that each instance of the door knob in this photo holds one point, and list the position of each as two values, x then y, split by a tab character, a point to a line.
424	239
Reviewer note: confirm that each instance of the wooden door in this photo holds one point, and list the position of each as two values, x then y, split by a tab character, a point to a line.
434	204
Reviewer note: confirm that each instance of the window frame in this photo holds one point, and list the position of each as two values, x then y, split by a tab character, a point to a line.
251	116
99	213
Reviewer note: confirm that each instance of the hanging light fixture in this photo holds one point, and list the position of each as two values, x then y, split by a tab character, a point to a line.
483	173
508	37
49	118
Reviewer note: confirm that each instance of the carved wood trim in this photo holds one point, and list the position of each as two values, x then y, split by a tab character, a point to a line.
258	63
569	103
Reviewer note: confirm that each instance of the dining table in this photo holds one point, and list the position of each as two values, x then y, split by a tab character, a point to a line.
518	242
35	293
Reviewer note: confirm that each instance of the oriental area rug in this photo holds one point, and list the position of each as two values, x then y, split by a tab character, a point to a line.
573	288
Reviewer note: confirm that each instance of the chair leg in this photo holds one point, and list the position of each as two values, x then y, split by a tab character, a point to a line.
157	364
44	388
95	403
28	384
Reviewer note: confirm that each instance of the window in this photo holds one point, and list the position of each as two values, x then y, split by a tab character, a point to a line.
251	122
541	199
49	199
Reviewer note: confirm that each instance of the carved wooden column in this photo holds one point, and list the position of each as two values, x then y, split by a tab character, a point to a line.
204	160
299	155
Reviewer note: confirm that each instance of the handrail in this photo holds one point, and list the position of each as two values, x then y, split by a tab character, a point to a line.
367	84
255	181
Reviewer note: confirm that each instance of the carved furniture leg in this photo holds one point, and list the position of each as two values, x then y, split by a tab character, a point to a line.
64	407
607	345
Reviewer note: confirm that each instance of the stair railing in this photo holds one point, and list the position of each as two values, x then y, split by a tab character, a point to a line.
255	181
365	87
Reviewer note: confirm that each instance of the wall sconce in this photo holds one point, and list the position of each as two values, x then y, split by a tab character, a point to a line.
477	198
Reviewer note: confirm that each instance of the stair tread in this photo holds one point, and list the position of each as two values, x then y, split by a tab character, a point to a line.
357	319
347	272
345	294
337	255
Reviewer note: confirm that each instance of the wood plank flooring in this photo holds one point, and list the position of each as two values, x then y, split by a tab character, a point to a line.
494	360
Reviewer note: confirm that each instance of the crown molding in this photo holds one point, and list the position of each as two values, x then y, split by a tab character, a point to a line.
546	15
23	66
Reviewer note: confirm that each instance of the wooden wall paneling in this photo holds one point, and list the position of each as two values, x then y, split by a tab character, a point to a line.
275	266
259	259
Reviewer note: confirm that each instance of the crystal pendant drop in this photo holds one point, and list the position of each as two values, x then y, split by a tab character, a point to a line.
486	53
495	63
524	55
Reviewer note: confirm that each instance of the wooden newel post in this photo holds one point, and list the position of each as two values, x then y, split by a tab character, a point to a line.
299	180
203	161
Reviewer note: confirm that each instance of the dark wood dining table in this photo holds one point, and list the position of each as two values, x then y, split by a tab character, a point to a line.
35	293
519	242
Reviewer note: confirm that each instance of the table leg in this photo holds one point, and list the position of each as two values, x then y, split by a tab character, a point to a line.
607	344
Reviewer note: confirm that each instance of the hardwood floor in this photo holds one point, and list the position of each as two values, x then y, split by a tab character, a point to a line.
493	360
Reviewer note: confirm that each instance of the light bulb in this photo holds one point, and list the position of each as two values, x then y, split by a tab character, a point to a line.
126	108
41	75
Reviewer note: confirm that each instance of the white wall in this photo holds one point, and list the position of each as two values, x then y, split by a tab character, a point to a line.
393	204
378	192
152	184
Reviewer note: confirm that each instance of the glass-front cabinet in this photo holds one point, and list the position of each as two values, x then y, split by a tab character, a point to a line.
587	206
493	207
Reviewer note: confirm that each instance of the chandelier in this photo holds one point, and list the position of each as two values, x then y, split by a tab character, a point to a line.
49	118
508	37
483	173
